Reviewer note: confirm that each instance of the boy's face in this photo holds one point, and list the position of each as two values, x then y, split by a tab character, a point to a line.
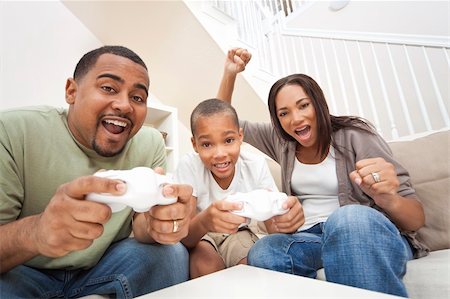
218	140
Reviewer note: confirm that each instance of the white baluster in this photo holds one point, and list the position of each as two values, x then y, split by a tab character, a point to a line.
376	120
385	94
439	99
422	106
354	84
400	93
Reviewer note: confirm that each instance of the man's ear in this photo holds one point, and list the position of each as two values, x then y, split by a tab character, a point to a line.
71	91
194	144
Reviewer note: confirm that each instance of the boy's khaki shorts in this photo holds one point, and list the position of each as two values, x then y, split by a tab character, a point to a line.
232	248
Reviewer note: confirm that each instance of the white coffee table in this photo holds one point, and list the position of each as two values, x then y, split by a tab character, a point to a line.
249	282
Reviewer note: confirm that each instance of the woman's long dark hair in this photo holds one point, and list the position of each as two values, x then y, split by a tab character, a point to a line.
326	123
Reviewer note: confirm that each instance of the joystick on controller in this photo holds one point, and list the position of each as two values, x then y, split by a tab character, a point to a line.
259	204
144	190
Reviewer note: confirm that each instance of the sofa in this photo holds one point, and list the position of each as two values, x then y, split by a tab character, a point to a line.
427	158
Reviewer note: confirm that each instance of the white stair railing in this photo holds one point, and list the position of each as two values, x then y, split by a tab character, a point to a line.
399	83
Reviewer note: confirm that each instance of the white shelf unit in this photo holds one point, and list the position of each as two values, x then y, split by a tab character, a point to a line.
165	119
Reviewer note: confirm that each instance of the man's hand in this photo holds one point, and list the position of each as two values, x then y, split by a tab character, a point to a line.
289	222
70	223
168	224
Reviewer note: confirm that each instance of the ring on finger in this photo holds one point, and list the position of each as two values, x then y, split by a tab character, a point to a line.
175	226
376	177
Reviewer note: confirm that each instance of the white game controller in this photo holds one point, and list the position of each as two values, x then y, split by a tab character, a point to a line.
144	190
259	204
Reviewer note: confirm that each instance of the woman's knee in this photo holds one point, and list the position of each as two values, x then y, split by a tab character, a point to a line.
356	219
265	253
357	224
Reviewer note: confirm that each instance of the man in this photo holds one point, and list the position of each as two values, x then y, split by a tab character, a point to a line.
54	242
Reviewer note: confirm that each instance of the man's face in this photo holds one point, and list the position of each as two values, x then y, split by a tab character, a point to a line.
109	104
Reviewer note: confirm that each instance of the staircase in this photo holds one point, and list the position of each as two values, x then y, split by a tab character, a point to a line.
397	80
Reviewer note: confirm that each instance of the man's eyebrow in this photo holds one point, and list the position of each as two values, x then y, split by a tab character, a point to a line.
119	79
112	76
141	86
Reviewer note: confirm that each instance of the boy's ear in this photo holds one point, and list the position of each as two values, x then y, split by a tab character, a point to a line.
241	135
71	91
194	144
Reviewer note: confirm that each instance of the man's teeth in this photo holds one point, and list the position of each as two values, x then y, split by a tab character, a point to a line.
116	122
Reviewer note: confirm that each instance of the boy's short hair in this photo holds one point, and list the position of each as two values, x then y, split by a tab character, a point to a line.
211	107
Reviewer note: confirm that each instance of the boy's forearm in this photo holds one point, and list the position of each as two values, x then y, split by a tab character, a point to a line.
196	232
226	86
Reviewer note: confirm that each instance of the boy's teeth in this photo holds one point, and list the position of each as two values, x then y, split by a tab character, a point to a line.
221	165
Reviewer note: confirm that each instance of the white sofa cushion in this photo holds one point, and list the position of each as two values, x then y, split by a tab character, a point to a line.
427	160
427	277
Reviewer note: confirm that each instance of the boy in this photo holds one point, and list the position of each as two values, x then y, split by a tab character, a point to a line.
217	239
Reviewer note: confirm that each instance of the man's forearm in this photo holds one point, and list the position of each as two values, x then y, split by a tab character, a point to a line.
17	246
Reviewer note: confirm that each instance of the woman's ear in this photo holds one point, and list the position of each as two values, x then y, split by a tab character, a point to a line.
71	91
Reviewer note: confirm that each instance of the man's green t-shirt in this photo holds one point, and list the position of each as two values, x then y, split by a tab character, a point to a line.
38	154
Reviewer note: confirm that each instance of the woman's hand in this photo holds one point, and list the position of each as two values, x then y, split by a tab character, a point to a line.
288	222
378	179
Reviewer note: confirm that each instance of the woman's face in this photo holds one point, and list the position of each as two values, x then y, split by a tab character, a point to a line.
297	115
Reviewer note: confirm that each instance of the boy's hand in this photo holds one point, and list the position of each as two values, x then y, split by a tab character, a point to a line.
218	218
289	222
237	59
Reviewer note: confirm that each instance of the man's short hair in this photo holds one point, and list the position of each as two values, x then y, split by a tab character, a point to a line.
89	59
211	107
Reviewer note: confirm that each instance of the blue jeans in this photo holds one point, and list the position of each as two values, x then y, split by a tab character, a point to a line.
127	269
357	246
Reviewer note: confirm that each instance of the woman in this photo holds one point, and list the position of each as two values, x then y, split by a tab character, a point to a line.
359	208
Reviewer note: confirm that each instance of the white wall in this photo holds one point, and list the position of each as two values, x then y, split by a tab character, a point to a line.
40	44
398	17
